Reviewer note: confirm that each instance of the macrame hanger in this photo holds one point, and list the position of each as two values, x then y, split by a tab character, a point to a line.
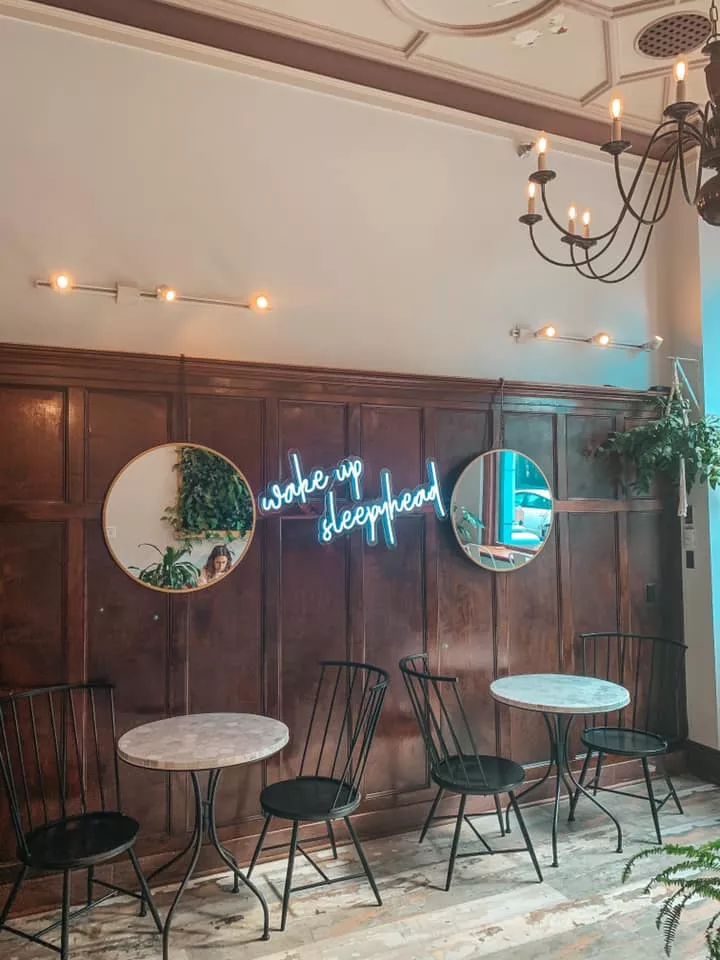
676	393
182	426
501	425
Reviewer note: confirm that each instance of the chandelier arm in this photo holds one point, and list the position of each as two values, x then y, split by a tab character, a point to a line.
668	177
627	198
601	236
665	129
683	174
667	184
555	263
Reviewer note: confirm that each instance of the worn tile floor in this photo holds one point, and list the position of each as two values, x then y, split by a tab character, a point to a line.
495	908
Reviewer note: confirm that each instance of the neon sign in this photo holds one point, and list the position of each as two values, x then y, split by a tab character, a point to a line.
369	515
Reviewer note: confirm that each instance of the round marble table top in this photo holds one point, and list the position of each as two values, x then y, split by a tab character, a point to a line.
203	741
560	693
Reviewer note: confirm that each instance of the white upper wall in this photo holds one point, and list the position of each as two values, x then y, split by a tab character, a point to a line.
387	241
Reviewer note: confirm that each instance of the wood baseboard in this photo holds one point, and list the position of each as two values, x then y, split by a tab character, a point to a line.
702	761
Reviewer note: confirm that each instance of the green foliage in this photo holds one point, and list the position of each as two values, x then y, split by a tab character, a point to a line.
467	524
170	571
696	875
213	499
658	446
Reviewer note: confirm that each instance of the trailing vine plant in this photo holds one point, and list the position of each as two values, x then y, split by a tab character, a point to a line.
696	875
684	451
213	501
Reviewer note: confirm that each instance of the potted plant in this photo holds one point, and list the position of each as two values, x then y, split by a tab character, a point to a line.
171	571
684	451
696	875
213	501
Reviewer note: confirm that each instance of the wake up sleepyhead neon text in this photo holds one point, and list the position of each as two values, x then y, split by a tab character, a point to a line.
369	515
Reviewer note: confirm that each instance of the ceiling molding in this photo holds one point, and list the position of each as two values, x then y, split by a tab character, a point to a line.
405	78
488	28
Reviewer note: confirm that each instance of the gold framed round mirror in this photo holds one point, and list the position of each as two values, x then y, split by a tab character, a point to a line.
502	510
179	517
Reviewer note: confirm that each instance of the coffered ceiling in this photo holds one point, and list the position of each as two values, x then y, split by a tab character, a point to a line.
540	63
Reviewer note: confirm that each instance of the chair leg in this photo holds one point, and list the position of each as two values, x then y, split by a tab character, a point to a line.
526	836
456	840
583	773
431	814
90	877
19	880
498	810
259	845
363	860
331	837
145	890
65	917
598	770
671	788
288	877
651	798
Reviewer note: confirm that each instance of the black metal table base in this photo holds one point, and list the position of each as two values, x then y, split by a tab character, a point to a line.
558	726
205	826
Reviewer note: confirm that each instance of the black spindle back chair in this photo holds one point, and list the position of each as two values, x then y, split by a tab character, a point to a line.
652	669
343	720
456	765
59	773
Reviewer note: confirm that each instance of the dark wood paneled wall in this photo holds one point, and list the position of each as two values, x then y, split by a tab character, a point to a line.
71	419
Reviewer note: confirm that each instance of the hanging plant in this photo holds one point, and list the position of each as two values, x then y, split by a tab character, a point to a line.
171	571
213	501
686	452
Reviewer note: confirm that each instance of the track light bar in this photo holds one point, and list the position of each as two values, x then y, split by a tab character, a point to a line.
63	283
600	339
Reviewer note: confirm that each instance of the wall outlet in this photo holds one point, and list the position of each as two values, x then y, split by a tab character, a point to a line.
111	532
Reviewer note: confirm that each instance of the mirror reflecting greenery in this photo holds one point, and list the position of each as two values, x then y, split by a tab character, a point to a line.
501	510
179	517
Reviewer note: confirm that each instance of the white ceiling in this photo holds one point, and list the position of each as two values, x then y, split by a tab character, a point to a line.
570	56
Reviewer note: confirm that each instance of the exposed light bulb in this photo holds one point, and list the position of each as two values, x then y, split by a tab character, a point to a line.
62	282
602	339
680	73
616	112
586	224
531	191
168	294
572	217
542	147
548	332
260	302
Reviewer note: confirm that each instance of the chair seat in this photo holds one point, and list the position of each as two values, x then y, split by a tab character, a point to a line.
624	742
80	841
462	774
309	799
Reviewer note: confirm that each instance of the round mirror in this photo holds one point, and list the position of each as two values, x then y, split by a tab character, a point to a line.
501	510
179	517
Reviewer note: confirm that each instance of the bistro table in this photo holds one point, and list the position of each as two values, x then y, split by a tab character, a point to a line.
560	697
203	742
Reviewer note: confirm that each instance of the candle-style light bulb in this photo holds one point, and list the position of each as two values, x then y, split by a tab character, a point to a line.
616	112
531	191
680	74
572	217
586	224
542	148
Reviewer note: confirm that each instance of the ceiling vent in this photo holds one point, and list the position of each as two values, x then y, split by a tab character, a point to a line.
671	36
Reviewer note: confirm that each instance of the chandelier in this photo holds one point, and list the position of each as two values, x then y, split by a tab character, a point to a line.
686	126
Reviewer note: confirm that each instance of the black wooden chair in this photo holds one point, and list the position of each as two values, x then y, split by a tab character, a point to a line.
456	765
652	670
344	716
59	770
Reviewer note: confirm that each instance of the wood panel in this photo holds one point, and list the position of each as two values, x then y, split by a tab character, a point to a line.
253	642
32	444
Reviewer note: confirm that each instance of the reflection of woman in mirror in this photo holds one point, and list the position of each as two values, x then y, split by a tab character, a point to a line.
218	564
